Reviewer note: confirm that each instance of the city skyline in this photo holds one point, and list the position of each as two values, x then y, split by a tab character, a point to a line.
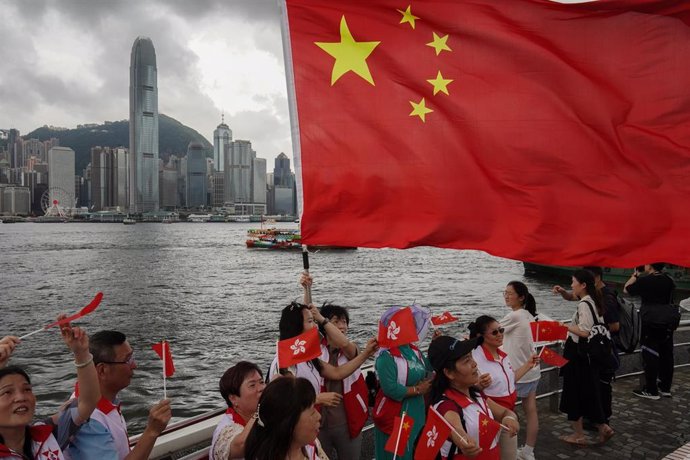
213	57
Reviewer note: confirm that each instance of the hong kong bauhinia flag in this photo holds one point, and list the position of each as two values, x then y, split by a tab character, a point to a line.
400	330
434	434
533	130
444	318
304	347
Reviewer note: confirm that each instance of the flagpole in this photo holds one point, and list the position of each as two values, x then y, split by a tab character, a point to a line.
305	264
32	333
165	390
397	441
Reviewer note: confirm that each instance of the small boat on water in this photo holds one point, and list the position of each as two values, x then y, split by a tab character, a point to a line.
282	238
167	220
128	221
199	218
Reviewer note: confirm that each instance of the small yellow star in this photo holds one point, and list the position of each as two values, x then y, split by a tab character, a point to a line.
407	16
485	422
440	84
349	55
420	109
439	44
406	426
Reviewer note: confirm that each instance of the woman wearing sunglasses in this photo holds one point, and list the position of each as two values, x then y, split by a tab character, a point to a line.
497	377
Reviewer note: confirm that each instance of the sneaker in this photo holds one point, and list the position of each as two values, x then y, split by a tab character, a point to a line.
522	455
646	394
665	394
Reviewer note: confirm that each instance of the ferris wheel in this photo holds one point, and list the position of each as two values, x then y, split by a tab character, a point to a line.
55	201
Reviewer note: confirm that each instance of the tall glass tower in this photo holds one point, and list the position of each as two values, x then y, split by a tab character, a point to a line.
222	136
143	127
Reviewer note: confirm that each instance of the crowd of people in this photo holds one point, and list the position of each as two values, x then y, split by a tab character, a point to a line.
317	409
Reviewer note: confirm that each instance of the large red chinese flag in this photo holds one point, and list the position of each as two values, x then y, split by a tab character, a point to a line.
533	130
400	330
397	441
434	434
548	331
304	347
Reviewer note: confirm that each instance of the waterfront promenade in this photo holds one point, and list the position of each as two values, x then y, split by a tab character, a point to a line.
645	429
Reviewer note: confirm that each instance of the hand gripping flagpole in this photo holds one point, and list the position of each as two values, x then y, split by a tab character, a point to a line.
397	441
305	264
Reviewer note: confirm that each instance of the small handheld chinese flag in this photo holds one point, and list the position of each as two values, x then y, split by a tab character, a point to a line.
548	331
162	349
294	350
443	318
402	428
551	357
401	330
488	428
434	434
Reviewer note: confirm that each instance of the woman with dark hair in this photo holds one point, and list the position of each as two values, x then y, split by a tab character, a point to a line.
298	318
581	396
287	423
518	344
498	378
241	387
457	398
19	438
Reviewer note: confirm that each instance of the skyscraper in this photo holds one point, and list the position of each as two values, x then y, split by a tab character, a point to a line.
61	176
222	136
143	127
196	175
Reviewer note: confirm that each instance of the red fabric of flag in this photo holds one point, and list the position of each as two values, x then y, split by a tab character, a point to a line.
304	347
434	434
400	330
95	302
443	318
548	331
488	428
486	125
402	427
551	357
165	354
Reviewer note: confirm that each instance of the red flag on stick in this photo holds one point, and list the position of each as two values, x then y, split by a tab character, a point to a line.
162	349
488	428
548	331
508	109
434	434
401	329
551	357
443	318
402	428
95	302
304	347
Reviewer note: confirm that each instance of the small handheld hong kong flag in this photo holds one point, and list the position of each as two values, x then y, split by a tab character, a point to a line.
162	349
434	434
401	330
548	331
304	347
443	318
488	428
551	357
402	428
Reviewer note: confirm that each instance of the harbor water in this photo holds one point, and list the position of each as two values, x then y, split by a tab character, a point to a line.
216	301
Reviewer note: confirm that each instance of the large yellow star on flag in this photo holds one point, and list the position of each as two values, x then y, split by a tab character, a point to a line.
349	55
440	84
439	44
420	109
408	16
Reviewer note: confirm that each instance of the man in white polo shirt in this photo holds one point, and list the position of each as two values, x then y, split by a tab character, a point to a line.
104	436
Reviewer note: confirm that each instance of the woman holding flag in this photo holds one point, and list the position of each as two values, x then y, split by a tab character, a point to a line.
498	378
405	377
519	345
473	417
23	440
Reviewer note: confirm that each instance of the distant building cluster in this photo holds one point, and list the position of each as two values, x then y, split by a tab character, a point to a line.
36	175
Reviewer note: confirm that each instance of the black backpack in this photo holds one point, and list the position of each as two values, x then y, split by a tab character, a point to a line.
598	347
628	336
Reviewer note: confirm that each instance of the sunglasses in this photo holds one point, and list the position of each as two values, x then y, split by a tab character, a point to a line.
500	330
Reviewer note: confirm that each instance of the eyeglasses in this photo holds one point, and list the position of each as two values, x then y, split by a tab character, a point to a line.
500	330
129	361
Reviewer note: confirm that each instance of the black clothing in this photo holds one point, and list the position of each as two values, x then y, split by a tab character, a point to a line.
581	395
657	358
654	289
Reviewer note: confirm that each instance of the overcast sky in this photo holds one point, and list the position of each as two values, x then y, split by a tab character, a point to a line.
66	62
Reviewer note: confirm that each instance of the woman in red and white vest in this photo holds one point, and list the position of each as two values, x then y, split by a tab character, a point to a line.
456	397
20	439
241	387
497	375
341	425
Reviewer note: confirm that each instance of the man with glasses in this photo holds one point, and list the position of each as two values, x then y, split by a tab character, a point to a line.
104	436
